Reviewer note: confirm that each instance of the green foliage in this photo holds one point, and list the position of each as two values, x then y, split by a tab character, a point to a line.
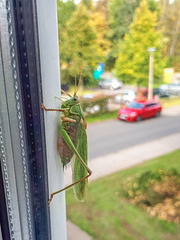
64	12
88	4
98	22
121	15
170	24
176	63
89	106
145	184
168	227
118	31
102	7
132	65
83	40
158	192
153	6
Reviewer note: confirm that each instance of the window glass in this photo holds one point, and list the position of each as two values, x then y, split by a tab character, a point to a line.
135	105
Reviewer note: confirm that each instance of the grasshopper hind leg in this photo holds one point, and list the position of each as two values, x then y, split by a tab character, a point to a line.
78	158
71	185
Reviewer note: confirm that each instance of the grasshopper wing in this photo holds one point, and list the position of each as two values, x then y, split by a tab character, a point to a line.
78	170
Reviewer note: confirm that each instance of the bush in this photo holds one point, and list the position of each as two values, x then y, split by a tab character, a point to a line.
156	191
95	106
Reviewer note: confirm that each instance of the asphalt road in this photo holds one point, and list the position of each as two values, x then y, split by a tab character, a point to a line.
114	135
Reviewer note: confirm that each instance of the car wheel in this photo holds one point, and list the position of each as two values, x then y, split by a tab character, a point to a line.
158	114
138	118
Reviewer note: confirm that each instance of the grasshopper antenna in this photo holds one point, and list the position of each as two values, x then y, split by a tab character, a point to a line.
58	98
66	93
81	71
71	51
72	55
61	99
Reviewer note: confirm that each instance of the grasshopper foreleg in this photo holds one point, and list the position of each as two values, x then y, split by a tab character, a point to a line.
51	109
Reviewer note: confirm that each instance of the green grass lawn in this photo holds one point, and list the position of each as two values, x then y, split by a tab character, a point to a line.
170	102
102	117
105	215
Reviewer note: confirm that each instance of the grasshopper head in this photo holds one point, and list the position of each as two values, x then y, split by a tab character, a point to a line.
70	102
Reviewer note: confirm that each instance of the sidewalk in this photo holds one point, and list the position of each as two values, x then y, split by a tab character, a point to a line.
110	163
75	233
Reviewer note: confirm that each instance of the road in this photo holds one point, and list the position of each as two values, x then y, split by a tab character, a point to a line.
114	135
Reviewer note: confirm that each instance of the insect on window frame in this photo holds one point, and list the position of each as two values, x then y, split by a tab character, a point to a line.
72	140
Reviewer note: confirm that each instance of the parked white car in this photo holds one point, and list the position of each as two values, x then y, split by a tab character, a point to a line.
171	89
125	96
174	89
111	84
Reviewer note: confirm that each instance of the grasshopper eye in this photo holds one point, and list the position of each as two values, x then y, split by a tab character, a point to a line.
75	99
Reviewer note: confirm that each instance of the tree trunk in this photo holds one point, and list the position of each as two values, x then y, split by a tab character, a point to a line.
175	37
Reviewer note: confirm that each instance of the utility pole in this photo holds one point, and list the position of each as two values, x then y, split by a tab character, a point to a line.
151	50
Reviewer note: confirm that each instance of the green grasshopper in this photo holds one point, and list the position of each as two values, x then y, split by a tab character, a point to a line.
72	141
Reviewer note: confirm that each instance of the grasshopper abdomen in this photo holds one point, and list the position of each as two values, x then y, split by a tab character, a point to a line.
64	151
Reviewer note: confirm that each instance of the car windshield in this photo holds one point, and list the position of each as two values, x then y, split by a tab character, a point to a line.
111	80
106	81
135	105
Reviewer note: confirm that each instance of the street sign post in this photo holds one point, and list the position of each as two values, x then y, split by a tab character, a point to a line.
151	50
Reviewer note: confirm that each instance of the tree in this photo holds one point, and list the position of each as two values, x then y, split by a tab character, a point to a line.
82	38
102	7
170	24
88	4
98	22
121	13
64	11
132	65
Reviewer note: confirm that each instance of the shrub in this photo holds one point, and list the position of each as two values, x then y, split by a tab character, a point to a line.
95	106
156	191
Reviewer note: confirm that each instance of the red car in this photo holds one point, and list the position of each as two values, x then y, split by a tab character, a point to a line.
138	110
